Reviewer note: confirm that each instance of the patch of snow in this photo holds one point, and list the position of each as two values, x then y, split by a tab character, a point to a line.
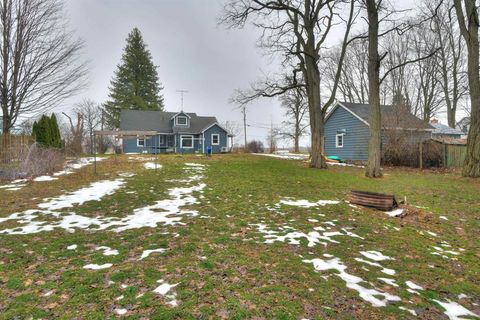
306	203
72	247
443	218
94	192
151	165
353	282
375	255
44	178
286	156
48	293
389	281
432	233
146	253
454	311
411	311
164	288
120	311
388	271
413	286
107	251
394	213
97	266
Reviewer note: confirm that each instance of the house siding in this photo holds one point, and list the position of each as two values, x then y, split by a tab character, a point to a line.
355	140
208	138
197	144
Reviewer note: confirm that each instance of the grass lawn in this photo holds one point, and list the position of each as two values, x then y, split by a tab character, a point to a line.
231	240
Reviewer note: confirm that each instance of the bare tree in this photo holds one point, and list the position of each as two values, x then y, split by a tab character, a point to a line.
75	135
451	61
468	21
296	30
295	105
92	117
39	58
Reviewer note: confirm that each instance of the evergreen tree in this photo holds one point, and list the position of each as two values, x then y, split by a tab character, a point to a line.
56	139
135	84
42	134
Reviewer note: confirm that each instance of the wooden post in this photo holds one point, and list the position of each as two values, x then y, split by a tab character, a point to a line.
421	154
94	155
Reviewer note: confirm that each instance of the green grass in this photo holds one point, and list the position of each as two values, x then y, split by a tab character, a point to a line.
220	261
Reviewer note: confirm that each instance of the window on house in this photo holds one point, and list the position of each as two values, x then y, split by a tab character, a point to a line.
186	142
162	140
141	142
181	120
215	139
339	140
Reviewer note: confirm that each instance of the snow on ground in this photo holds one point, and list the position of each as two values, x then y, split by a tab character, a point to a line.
146	253
164	288
97	266
285	155
394	213
289	235
375	255
120	311
70	166
455	311
152	165
168	211
388	271
94	192
72	247
306	203
353	282
107	251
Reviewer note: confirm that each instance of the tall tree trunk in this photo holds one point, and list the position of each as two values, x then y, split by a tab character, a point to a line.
316	115
374	143
469	32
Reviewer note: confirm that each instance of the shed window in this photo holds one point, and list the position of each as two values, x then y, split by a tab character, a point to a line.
339	140
141	142
181	120
215	139
186	142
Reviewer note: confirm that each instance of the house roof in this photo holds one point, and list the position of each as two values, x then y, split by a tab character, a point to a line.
392	117
441	129
161	121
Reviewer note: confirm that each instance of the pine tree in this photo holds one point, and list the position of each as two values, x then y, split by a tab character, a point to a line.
42	134
56	139
135	84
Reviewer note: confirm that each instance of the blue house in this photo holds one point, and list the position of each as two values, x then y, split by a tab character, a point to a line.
180	132
347	129
444	131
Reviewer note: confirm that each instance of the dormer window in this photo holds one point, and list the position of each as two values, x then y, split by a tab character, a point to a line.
181	121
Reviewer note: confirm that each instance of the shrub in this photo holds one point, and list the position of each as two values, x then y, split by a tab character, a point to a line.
255	146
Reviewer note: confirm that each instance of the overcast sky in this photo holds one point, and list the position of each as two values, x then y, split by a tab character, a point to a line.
191	51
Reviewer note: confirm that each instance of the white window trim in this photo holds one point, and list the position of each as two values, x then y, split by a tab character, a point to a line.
218	139
138	142
336	140
181	124
181	142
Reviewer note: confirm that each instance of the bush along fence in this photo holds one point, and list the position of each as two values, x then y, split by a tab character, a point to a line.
22	157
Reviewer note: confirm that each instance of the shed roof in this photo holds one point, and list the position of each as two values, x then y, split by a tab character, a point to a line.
161	121
441	129
392	117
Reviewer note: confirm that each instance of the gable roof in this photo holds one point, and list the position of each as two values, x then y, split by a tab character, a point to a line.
161	121
392	117
444	129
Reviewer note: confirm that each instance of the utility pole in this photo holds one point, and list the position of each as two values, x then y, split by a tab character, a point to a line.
181	96
245	125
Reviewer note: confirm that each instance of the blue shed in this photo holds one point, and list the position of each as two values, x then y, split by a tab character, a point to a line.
347	129
179	132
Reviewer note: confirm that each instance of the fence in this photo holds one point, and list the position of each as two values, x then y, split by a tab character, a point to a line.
12	147
447	153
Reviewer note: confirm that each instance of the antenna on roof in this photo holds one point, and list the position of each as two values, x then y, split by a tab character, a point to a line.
181	95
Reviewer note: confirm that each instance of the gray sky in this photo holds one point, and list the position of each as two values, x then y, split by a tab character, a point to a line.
191	51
